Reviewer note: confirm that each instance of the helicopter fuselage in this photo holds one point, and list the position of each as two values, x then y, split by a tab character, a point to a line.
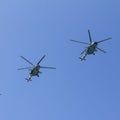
92	48
35	71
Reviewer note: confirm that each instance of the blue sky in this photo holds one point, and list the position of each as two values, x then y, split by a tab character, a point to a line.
75	90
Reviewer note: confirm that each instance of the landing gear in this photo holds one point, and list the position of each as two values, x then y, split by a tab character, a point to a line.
37	75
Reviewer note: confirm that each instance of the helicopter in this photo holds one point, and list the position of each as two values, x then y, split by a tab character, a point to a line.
35	69
91	48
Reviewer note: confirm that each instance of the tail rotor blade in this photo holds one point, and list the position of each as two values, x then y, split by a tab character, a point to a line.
104	40
41	59
89	36
26	60
79	42
101	50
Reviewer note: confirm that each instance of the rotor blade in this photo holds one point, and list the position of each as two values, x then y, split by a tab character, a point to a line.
26	60
47	67
24	68
41	59
79	42
101	50
104	40
89	36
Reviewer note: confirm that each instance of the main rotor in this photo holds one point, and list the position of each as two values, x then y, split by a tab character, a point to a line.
91	42
38	64
90	39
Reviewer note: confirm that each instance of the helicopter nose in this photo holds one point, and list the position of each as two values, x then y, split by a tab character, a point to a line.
95	43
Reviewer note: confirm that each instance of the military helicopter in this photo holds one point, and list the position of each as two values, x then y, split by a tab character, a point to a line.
91	48
35	69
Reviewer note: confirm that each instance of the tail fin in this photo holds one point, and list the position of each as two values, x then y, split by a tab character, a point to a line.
28	79
82	58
